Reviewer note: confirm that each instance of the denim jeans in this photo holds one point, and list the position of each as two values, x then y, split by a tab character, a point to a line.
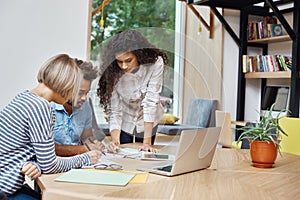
25	193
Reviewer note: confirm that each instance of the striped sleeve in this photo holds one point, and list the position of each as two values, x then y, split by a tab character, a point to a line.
50	163
41	123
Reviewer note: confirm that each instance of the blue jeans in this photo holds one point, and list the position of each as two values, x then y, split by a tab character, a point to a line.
139	137
25	193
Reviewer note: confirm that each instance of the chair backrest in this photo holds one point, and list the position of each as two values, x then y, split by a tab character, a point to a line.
98	132
223	120
201	112
290	143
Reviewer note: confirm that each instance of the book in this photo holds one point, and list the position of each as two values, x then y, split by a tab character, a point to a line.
277	63
263	28
270	66
276	30
251	31
260	26
269	27
269	20
288	62
245	64
282	62
254	64
250	63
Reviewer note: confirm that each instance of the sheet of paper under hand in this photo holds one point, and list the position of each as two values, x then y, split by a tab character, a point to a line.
125	153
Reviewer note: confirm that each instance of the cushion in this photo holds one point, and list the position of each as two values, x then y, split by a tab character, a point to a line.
168	119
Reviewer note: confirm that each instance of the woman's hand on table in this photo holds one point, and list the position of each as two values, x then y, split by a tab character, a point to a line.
147	148
113	147
94	155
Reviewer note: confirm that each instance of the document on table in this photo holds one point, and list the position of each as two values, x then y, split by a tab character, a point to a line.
103	160
125	153
92	176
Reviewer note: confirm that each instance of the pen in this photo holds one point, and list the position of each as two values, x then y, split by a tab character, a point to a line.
87	146
94	143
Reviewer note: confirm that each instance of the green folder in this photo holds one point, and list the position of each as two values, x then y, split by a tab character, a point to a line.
92	176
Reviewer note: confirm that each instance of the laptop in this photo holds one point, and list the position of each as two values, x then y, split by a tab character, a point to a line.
195	151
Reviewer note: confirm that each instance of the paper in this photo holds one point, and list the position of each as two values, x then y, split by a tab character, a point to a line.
140	177
103	160
96	177
125	153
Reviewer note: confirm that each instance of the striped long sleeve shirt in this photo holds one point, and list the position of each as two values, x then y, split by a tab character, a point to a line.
26	134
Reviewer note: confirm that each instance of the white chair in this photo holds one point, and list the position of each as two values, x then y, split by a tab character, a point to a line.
223	120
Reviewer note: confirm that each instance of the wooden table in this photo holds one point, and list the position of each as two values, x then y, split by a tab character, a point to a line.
230	176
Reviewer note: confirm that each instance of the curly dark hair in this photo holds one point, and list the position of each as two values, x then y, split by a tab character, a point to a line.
89	71
123	42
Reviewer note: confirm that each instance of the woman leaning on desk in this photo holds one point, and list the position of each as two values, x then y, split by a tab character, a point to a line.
129	88
26	128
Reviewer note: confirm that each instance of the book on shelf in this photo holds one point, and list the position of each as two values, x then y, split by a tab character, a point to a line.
266	63
278	66
288	62
276	30
263	28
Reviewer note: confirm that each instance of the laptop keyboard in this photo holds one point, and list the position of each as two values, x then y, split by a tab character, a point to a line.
165	168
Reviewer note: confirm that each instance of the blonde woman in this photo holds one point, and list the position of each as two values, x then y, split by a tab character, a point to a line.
26	128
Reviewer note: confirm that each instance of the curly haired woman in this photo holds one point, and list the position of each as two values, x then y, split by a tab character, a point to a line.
129	88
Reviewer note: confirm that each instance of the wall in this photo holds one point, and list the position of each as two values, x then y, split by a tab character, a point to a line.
203	59
33	31
230	63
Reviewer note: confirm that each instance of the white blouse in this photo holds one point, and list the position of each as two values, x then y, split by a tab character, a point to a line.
135	99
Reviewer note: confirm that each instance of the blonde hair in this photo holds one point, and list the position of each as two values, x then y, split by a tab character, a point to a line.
61	74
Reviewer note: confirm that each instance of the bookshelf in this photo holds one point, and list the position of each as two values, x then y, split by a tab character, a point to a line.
280	74
269	40
269	8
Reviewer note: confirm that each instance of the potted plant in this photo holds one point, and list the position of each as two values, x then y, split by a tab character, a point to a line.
264	137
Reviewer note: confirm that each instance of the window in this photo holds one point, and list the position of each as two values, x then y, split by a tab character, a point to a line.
157	21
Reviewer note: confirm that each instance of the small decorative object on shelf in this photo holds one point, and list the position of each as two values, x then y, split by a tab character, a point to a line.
264	137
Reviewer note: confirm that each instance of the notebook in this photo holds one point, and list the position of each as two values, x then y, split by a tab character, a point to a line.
195	151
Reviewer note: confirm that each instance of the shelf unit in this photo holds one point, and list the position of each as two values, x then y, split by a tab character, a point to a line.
282	38
263	44
270	7
280	74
